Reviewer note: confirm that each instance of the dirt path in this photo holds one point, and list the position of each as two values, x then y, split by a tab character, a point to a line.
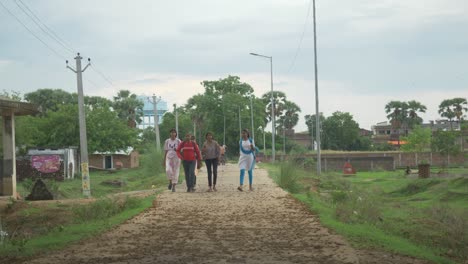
263	226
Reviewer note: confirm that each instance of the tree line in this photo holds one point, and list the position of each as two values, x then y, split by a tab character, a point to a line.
224	108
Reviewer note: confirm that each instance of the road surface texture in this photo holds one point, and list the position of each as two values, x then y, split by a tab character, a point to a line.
228	226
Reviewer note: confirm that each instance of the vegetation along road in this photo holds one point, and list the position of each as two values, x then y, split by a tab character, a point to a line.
228	226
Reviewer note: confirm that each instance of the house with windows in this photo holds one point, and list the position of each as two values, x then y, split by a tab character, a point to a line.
385	133
128	158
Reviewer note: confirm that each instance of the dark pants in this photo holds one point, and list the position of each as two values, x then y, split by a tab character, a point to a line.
189	169
214	172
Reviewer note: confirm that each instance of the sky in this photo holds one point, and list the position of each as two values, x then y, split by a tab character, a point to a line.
369	52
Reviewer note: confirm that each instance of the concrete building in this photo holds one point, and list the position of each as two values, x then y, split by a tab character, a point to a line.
148	111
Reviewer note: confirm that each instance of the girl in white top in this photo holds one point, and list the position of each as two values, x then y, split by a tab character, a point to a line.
171	161
246	159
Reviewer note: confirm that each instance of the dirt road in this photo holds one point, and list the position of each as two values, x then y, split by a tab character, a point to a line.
228	226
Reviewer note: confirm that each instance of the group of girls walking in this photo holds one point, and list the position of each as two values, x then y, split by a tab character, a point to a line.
189	153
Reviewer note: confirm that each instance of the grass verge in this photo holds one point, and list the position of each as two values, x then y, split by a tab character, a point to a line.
423	218
86	224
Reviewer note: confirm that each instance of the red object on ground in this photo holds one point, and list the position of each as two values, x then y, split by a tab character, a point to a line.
348	169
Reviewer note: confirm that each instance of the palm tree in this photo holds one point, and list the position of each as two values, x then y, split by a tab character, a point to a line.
279	100
290	115
459	106
445	110
413	108
397	114
128	107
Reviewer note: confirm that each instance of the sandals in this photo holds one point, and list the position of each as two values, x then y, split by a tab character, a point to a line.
240	188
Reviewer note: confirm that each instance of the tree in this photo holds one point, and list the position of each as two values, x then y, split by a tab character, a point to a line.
50	99
311	123
459	107
279	99
340	131
413	118
223	99
290	115
418	140
444	142
446	110
397	113
128	107
107	132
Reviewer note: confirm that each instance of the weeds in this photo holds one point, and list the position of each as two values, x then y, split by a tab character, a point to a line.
104	208
288	177
152	161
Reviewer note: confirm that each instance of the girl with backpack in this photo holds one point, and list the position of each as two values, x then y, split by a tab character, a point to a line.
189	153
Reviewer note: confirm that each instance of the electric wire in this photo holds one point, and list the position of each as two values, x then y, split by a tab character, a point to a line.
42	26
302	37
31	32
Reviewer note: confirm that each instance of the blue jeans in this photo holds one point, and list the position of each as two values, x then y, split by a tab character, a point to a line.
189	170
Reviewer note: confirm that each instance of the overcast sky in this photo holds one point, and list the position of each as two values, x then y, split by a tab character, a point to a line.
369	52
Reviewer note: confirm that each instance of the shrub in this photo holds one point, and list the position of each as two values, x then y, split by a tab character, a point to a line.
152	161
288	177
359	206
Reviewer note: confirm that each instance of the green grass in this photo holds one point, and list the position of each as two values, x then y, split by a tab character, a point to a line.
64	235
63	223
149	174
424	218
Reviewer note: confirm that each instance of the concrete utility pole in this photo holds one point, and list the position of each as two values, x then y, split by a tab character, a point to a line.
156	100
240	124
85	179
176	120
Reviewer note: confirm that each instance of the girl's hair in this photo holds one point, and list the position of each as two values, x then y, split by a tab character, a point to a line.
173	130
246	131
208	133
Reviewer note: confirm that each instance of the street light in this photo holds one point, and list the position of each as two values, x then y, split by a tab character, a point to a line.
272	106
317	113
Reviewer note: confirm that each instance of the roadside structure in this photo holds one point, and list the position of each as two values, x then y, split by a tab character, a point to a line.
10	109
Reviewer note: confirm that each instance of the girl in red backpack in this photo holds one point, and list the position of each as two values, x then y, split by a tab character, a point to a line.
189	153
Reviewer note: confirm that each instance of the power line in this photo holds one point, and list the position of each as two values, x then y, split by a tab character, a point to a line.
102	75
44	28
302	37
32	33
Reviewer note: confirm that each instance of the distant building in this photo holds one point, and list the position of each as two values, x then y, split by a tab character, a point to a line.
384	133
148	111
128	158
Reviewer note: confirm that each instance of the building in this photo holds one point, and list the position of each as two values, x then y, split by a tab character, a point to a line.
384	133
129	158
63	163
148	111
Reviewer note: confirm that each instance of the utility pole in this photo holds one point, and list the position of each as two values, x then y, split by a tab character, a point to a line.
317	113
155	102
85	180
176	120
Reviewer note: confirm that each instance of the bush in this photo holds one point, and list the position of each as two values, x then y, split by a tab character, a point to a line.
288	177
152	161
453	225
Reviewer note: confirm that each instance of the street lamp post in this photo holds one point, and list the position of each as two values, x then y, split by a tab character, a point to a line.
317	113
251	119
272	106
